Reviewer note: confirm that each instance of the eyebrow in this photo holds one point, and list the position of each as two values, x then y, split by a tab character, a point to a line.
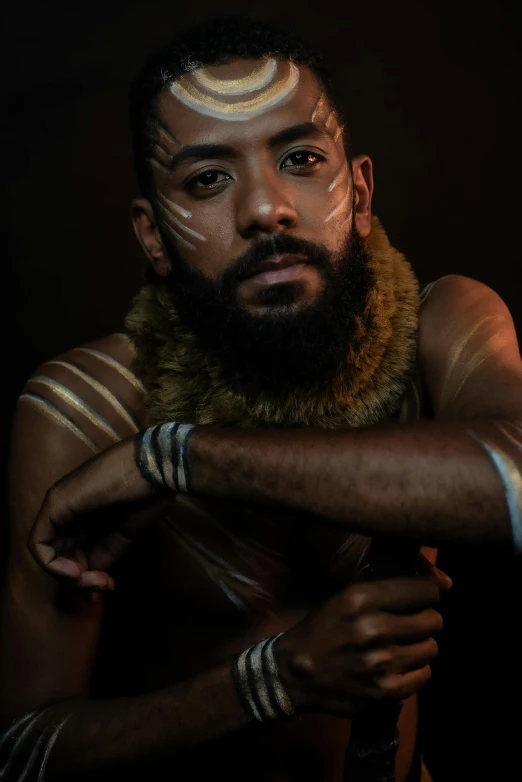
224	151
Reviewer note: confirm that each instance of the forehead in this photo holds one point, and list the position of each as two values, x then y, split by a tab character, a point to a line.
240	100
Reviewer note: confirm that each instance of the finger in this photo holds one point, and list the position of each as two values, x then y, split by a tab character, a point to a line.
384	629
399	686
396	595
400	659
96	580
64	567
427	568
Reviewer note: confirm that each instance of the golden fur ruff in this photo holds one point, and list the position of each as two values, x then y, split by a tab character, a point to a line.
185	383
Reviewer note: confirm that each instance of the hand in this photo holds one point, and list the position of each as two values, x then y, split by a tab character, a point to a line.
371	643
91	516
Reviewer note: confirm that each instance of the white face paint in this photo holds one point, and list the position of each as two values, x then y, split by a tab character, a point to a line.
209	95
339	208
175	226
339	177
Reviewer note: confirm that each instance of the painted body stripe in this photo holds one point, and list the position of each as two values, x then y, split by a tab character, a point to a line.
148	456
242	671
284	701
166	433
512	440
337	134
512	483
456	352
77	404
182	438
102	390
338	207
48	409
112	362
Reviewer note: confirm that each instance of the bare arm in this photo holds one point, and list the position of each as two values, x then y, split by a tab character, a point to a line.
458	477
49	639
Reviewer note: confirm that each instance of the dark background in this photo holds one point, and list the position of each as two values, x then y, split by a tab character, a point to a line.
432	92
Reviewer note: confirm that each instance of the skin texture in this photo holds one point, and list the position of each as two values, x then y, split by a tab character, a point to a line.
51	633
258	188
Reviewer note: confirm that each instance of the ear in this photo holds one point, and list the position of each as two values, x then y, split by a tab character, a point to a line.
146	230
363	187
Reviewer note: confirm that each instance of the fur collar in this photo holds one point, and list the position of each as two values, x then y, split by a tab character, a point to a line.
185	383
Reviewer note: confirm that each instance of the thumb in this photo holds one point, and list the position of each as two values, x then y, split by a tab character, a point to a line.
427	568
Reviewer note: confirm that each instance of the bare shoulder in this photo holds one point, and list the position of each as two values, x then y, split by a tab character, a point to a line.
468	349
455	306
92	392
71	408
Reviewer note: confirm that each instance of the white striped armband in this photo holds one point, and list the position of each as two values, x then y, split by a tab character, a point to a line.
256	676
161	455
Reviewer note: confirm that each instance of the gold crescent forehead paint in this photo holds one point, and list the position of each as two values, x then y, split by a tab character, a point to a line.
259	78
212	100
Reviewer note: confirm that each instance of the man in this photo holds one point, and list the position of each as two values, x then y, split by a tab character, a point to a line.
277	310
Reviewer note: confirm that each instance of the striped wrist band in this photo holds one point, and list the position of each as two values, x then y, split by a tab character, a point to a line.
256	676
161	455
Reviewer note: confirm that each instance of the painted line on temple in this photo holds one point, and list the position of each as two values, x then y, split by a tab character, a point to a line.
318	106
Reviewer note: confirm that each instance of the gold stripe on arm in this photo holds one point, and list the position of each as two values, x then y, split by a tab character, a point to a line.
102	390
50	411
112	362
77	404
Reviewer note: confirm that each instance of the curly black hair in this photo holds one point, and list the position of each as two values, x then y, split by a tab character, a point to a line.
213	42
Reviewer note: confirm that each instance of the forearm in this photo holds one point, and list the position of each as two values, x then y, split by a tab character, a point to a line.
431	481
105	735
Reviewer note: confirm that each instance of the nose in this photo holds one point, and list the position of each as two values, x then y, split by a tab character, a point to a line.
264	206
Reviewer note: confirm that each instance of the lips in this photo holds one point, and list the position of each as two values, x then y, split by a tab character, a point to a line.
279	268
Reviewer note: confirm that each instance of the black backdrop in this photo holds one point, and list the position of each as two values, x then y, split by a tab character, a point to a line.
432	92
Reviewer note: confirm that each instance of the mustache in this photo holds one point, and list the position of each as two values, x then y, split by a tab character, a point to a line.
249	262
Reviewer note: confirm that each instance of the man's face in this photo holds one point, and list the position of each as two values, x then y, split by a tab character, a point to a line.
255	198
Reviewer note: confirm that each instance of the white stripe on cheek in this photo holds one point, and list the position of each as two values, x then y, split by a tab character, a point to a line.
179	224
179	209
179	238
340	177
339	207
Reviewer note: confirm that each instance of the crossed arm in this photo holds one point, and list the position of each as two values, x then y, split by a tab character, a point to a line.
458	477
430	481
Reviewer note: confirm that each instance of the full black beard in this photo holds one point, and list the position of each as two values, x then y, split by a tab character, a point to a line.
291	345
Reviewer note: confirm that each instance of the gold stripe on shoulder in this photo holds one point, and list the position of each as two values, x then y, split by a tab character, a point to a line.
112	362
50	411
77	404
101	389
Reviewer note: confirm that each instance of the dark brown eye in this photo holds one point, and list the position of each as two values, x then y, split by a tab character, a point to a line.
302	158
207	180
